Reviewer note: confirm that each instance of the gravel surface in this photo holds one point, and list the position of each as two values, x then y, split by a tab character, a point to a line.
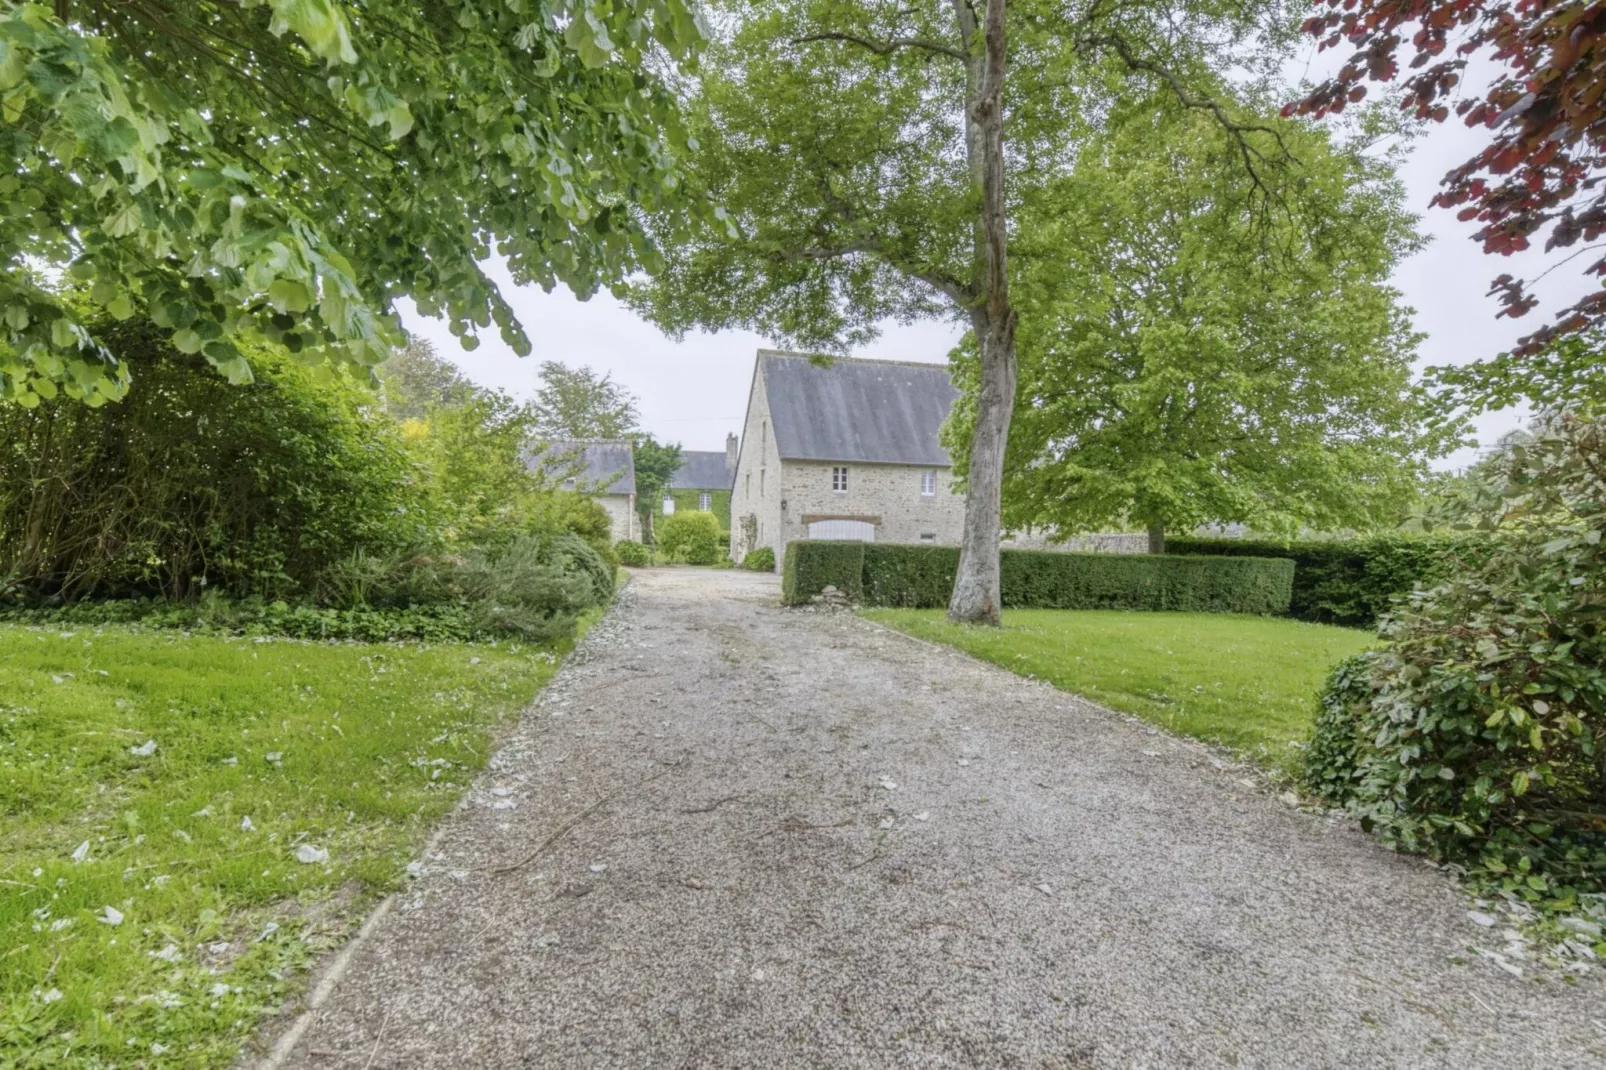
732	835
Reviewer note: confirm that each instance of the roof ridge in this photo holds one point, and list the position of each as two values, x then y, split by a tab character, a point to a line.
762	353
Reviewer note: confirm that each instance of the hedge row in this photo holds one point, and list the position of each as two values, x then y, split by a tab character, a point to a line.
1349	582
915	576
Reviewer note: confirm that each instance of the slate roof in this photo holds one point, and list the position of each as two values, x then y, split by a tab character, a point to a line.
609	466
873	411
703	470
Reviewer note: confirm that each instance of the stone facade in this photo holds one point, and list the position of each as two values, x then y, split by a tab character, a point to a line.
888	496
622	514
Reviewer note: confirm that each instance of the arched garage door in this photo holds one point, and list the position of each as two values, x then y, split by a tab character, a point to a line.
861	530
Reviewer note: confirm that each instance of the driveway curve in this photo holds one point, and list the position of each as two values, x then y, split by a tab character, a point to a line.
731	835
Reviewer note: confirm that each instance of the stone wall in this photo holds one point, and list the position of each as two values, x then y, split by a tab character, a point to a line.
757	491
621	514
886	495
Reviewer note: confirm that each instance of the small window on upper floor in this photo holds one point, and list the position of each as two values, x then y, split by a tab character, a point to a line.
669	506
747	485
839	479
704	500
928	536
761	482
928	483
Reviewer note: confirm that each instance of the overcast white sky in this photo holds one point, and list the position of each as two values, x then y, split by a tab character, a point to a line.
695	391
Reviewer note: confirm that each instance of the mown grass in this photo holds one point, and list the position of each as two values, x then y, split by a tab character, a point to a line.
1249	683
261	747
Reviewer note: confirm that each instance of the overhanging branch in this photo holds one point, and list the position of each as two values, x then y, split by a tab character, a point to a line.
889	46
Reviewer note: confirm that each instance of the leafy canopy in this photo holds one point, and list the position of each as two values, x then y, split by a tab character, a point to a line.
1189	353
847	192
286	169
578	403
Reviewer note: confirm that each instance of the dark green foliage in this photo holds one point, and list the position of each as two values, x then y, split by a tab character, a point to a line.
909	576
921	577
760	560
1477	724
632	553
1339	738
811	566
1350	582
193	484
1042	579
690	537
222	616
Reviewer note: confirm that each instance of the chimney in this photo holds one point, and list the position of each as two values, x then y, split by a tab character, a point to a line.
730	452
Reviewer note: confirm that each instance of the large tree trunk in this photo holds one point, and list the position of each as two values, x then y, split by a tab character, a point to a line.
1157	537
977	596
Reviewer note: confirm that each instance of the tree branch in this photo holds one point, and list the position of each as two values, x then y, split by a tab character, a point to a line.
889	46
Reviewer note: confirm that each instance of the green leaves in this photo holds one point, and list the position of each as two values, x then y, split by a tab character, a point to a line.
394	153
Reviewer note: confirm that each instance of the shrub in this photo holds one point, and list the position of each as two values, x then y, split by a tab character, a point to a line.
810	566
632	553
915	576
692	537
191	483
759	560
1478	722
1339	738
1350	582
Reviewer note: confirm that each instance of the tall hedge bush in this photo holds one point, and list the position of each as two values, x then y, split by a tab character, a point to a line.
190	483
1474	733
1348	581
915	576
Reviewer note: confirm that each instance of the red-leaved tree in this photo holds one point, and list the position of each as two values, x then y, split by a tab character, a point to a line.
1543	168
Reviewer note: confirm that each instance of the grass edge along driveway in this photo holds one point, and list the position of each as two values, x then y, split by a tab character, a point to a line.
1248	683
187	821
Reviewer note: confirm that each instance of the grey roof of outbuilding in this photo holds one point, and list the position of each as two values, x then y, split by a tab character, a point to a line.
703	470
608	467
876	411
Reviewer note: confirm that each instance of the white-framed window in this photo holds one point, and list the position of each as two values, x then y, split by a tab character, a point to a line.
704	500
669	506
839	479
928	536
928	483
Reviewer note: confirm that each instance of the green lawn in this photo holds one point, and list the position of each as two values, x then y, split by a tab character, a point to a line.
1247	682
165	802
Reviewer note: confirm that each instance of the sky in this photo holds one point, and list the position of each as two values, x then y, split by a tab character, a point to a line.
694	391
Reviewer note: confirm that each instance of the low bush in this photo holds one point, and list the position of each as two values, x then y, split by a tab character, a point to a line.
632	553
759	560
809	567
1473	734
1348	581
692	537
922	577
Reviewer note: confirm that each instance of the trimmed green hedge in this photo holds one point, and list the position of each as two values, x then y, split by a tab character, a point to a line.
1352	581
812	566
922	577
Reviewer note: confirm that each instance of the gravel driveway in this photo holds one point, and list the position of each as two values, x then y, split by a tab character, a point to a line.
732	835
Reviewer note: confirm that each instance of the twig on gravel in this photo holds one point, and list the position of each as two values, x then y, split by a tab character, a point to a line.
378	1038
715	805
568	826
792	824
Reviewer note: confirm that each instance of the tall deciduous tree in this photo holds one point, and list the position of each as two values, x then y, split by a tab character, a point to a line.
1542	169
870	157
285	169
579	403
1191	354
656	464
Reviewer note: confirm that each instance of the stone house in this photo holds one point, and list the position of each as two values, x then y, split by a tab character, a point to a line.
703	481
604	469
845	451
